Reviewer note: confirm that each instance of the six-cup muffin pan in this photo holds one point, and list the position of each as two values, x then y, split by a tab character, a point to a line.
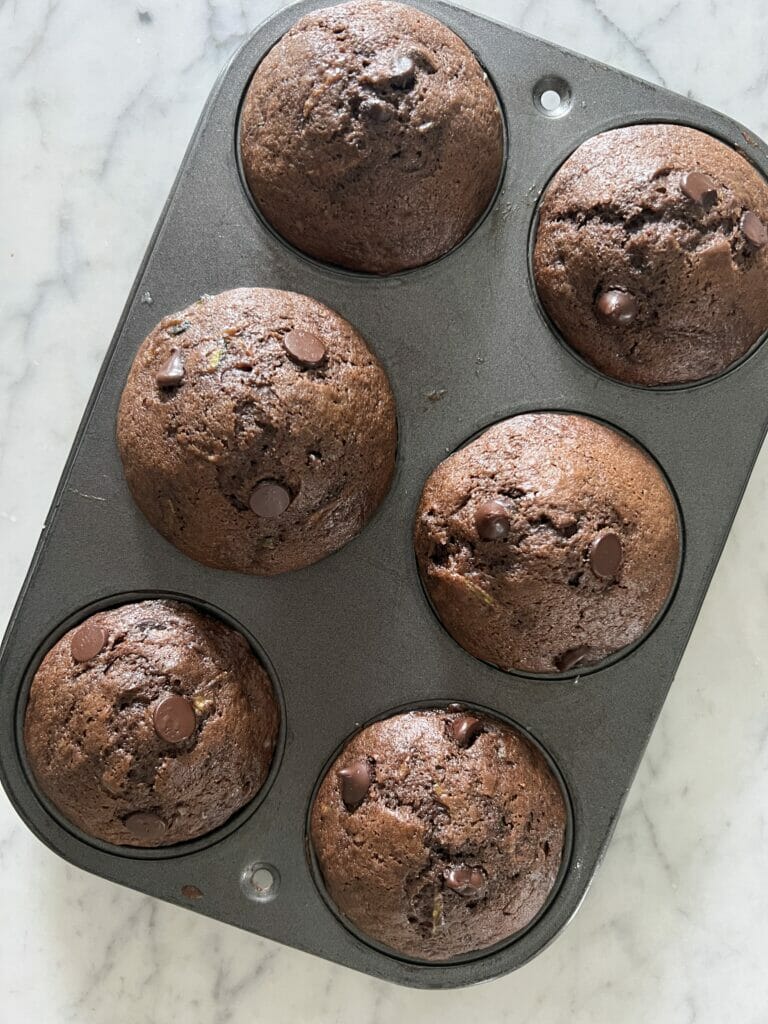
353	637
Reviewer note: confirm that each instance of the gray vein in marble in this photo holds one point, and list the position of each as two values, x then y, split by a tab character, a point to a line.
38	39
651	70
134	104
663	19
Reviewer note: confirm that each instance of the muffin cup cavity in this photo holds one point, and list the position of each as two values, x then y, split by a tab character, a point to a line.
271	444
419	57
710	216
169	722
458	712
602	555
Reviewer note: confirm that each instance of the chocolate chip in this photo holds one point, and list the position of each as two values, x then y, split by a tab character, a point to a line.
616	307
270	499
455	707
605	555
304	348
402	73
191	892
88	641
354	781
465	881
171	373
146	825
377	111
753	230
570	659
174	719
491	521
463	730
699	188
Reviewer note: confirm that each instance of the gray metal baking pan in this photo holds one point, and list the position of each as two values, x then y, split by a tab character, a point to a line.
465	344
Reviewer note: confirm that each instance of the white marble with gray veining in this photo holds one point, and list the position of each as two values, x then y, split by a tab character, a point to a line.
97	102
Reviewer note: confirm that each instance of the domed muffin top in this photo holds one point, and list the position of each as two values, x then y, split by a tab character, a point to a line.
651	254
371	137
257	430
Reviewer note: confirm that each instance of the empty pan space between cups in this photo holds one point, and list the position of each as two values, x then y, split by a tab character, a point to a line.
240	816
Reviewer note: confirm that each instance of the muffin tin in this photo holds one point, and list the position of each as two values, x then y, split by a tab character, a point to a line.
353	637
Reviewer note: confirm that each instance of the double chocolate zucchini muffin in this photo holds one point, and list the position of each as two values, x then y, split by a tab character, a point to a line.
371	137
651	254
439	833
548	543
150	724
257	431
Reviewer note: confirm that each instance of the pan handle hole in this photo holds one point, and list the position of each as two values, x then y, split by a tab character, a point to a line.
260	882
552	96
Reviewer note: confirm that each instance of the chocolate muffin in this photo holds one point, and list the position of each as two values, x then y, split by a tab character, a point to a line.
548	543
439	833
371	137
651	254
150	724
257	431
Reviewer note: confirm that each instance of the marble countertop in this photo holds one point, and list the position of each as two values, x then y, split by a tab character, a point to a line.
99	100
